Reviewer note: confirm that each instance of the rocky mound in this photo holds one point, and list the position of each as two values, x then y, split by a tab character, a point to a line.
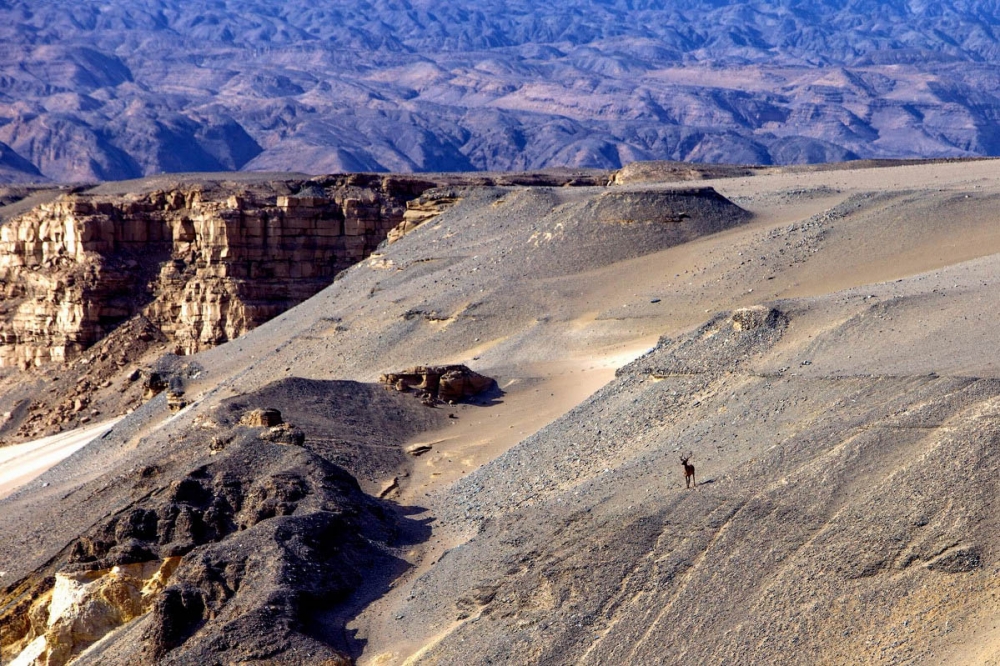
235	543
445	383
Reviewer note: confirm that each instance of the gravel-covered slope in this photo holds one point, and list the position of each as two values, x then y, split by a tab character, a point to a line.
268	540
838	519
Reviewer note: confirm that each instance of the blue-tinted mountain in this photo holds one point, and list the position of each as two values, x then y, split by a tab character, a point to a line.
109	90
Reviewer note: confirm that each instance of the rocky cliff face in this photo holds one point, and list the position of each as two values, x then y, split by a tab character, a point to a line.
204	264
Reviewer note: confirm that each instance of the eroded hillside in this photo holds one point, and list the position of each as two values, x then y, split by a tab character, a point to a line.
818	341
105	279
202	264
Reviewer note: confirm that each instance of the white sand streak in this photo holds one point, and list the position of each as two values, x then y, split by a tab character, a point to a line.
21	463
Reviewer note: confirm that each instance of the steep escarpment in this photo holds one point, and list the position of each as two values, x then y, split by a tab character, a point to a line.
202	264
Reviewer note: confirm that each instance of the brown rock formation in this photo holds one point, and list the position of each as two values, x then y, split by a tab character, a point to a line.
204	265
448	383
262	418
423	209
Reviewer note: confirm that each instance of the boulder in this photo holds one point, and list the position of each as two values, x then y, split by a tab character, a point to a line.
266	418
175	400
448	383
154	384
284	433
460	382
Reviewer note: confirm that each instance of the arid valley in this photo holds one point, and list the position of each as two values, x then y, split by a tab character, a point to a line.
819	340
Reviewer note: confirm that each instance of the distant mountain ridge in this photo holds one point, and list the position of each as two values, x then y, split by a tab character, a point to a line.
106	90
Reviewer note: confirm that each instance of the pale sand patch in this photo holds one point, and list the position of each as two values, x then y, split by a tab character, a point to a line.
21	463
542	394
982	647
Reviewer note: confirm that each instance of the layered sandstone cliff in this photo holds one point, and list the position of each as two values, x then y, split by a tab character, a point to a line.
204	264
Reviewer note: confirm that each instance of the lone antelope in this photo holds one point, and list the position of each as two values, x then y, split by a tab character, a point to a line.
689	481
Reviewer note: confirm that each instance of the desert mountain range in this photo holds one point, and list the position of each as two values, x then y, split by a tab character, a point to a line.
103	91
818	341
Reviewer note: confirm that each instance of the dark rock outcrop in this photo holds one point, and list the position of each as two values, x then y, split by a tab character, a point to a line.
228	560
266	417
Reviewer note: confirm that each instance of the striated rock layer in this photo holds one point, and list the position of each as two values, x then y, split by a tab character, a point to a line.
203	264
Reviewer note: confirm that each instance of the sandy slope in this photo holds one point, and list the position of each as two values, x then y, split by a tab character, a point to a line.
879	238
20	463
